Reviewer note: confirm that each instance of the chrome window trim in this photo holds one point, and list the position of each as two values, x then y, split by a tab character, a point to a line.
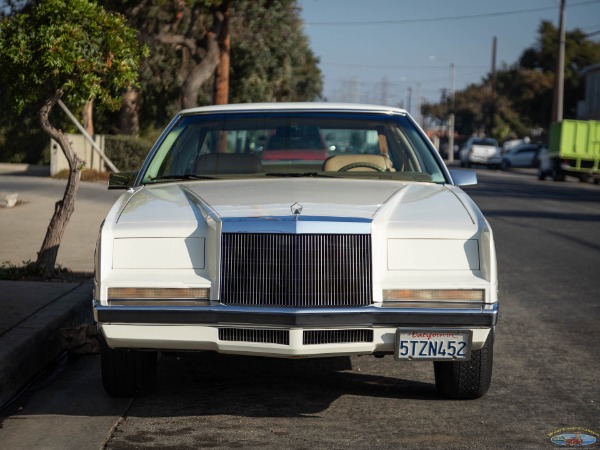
305	108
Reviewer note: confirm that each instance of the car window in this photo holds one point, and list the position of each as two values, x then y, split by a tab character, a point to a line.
262	144
486	141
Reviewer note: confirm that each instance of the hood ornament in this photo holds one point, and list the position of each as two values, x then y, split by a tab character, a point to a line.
296	209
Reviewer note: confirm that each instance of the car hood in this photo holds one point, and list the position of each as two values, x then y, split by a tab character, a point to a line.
372	201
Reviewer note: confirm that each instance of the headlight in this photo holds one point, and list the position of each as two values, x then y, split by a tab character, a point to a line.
433	254
158	253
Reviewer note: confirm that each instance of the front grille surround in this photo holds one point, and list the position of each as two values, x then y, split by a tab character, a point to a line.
296	270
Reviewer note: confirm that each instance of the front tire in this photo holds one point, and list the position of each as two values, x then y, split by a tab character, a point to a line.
557	173
469	379
127	373
541	173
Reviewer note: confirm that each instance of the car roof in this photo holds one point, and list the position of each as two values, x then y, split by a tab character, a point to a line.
296	106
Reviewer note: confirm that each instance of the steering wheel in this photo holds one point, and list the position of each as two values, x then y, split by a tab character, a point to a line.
366	165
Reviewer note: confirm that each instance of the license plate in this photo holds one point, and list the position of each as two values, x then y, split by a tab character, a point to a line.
437	345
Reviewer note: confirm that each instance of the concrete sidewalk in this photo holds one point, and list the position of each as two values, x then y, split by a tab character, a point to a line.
32	314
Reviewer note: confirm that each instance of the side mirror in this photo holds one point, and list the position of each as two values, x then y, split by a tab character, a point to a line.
463	177
121	180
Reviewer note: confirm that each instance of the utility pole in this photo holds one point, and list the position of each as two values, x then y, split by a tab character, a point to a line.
451	119
409	98
493	87
221	88
354	93
419	118
559	77
384	91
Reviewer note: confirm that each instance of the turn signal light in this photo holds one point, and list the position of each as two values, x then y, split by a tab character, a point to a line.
434	295
159	293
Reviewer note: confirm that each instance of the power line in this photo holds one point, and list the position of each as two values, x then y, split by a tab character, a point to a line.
392	66
449	18
404	82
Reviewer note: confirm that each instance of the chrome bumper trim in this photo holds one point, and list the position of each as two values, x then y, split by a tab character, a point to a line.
297	224
365	316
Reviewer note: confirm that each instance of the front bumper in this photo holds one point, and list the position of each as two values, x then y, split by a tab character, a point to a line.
197	328
485	159
364	316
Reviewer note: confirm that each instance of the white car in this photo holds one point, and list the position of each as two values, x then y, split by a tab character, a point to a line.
481	151
245	232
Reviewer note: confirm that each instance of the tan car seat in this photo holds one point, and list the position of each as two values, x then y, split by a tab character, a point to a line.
357	163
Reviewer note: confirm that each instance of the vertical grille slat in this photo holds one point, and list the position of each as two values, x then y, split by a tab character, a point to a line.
318	337
281	337
296	270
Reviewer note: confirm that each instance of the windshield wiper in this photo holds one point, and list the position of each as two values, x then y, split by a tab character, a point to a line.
187	176
299	174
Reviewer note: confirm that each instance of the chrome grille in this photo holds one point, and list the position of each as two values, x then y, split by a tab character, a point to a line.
296	270
255	335
315	337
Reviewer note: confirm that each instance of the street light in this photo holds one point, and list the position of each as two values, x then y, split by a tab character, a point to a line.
451	116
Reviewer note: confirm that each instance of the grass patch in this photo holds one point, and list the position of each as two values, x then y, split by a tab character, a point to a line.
86	175
29	271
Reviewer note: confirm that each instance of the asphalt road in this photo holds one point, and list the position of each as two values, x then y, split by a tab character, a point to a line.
22	228
546	367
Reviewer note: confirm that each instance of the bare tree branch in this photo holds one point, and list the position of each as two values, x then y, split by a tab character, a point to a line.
177	39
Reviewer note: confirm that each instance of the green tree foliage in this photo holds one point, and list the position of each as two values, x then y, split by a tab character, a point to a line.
70	46
271	57
529	84
72	49
524	91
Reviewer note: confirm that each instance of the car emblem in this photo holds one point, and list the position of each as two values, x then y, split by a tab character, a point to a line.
296	209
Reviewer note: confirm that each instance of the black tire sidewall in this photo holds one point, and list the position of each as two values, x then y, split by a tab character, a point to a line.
470	379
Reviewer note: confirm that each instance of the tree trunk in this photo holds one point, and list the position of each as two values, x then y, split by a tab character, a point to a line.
221	90
63	208
221	94
88	117
200	73
129	119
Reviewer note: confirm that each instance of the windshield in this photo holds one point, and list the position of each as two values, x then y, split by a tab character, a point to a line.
332	144
487	141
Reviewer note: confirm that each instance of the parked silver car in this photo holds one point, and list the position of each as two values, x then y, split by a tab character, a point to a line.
481	151
522	155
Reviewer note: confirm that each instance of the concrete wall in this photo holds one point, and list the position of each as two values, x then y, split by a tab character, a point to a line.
82	148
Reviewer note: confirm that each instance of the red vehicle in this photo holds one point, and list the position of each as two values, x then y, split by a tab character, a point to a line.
295	143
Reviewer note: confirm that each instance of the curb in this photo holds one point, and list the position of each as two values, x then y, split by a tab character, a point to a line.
24	169
30	347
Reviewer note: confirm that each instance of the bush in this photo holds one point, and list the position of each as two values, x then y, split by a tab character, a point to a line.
86	175
126	152
24	144
30	271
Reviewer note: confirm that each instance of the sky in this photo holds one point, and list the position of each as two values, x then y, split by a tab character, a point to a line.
394	52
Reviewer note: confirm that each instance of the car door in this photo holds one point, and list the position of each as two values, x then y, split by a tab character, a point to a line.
524	156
